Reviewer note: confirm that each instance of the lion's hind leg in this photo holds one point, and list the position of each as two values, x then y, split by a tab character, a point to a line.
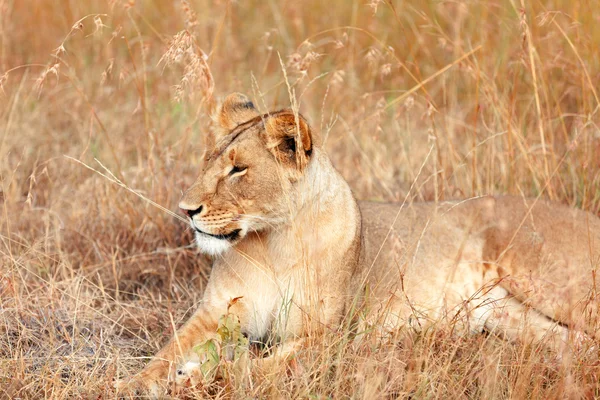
502	314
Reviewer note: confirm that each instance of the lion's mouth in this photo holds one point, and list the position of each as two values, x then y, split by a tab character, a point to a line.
231	236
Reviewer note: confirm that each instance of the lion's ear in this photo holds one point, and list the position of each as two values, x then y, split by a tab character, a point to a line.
236	109
289	138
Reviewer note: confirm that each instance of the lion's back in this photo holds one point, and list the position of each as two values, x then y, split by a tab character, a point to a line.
545	253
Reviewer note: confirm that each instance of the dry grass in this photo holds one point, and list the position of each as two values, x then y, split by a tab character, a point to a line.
504	93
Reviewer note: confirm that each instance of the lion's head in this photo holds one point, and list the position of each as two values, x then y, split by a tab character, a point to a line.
248	179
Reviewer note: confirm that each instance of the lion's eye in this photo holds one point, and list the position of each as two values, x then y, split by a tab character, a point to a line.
237	170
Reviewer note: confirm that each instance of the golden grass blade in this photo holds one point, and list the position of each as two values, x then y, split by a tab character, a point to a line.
112	178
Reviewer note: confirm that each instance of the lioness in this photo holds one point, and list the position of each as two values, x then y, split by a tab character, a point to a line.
289	242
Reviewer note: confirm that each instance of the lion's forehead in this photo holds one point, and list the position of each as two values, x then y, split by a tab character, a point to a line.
235	136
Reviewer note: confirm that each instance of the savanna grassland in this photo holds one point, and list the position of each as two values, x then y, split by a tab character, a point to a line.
414	99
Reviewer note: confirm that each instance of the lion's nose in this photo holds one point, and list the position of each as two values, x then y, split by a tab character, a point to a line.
190	211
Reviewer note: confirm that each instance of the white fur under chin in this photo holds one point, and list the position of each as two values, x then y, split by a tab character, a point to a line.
210	245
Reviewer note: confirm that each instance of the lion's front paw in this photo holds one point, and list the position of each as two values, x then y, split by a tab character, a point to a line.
188	374
141	385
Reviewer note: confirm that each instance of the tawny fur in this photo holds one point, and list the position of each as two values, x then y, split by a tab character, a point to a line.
288	240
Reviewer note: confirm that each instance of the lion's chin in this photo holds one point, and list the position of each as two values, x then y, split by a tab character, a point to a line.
211	245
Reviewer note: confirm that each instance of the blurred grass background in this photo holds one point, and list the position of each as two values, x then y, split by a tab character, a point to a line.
487	97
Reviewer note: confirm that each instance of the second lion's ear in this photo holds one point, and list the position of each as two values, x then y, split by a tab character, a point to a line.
236	109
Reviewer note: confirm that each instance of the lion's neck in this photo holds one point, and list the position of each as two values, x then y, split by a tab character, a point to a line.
322	186
323	222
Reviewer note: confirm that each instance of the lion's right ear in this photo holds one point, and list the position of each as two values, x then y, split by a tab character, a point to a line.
236	109
289	138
